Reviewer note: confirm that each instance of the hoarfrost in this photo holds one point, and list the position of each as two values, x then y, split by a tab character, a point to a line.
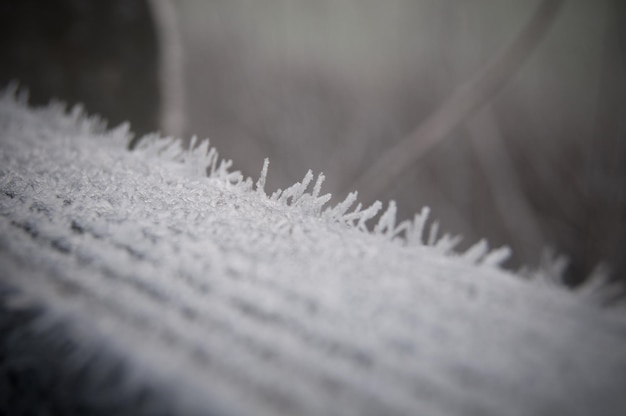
233	302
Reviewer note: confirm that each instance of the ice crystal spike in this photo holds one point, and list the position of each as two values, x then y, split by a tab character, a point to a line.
318	185
432	235
292	195
476	252
552	267
367	214
13	93
121	135
598	288
598	281
338	212
497	257
203	148
276	195
354	215
299	189
260	184
387	223
197	157
319	202
415	232
222	172
447	243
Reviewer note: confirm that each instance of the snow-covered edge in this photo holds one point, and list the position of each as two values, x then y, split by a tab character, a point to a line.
202	160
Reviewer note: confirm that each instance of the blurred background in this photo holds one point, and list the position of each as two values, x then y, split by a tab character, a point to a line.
334	85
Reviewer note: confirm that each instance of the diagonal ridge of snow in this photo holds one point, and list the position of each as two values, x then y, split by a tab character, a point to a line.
230	301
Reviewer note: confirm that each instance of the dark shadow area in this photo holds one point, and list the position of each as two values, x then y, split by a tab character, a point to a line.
100	53
40	374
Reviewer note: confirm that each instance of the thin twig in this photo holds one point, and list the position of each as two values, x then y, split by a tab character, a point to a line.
517	216
467	99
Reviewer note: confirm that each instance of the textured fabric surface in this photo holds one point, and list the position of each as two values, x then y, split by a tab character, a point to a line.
181	293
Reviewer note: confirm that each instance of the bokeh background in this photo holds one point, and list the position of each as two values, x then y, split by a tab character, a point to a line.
332	85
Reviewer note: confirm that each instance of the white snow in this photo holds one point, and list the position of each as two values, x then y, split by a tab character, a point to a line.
235	302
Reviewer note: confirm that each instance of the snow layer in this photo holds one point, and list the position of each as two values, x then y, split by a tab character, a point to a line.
230	301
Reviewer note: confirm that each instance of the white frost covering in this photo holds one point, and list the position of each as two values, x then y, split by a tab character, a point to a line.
236	302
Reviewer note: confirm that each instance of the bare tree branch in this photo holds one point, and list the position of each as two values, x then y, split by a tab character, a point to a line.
467	99
514	209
